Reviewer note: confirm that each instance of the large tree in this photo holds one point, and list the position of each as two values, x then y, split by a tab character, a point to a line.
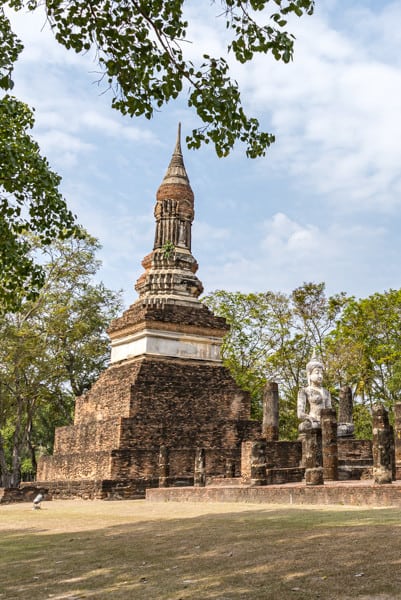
51	350
140	47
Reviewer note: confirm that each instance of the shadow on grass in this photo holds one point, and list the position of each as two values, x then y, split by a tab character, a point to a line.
251	555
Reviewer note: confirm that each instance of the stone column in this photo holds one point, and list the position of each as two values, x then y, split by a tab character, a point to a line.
328	422
164	467
270	411
229	470
345	427
200	468
258	463
392	446
382	463
397	438
312	456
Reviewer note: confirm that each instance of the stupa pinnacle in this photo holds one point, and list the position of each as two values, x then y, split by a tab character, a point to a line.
170	268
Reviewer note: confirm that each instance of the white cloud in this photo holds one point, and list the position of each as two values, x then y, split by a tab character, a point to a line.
336	112
115	127
62	146
286	253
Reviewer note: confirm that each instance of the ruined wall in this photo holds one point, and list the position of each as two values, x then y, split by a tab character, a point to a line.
354	450
109	396
191	390
163	388
279	455
88	437
69	467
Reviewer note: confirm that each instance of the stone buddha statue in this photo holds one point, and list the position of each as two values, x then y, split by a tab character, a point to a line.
313	398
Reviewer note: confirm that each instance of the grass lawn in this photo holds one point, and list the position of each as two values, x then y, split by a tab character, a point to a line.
175	551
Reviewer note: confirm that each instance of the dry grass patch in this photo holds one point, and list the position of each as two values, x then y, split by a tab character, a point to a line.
180	551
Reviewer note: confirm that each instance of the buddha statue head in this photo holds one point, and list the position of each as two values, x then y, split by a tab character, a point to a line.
314	371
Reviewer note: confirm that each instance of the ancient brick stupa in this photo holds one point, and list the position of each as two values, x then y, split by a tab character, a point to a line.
165	386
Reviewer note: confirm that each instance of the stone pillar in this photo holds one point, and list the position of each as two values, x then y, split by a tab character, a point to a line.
270	412
200	468
229	468
392	444
258	463
312	456
345	427
382	463
328	422
397	438
164	466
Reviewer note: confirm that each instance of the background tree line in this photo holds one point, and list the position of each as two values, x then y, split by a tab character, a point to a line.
273	335
51	350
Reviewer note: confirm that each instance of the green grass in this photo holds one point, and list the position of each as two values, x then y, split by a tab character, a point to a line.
139	550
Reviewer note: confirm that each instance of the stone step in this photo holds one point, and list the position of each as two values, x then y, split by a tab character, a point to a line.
290	475
223	481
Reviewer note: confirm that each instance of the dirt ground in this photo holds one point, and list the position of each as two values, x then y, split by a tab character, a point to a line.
178	551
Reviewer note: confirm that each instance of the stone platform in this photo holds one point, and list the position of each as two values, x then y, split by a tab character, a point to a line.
355	493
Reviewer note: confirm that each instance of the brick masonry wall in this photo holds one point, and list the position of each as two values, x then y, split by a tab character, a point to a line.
160	387
283	455
354	450
144	432
68	467
279	455
25	493
109	396
141	463
192	390
177	317
88	437
177	403
369	495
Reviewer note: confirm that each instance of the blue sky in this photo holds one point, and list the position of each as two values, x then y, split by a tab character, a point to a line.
325	203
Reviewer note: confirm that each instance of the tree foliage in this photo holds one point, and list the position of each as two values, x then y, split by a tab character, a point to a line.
272	337
365	348
30	201
50	351
140	50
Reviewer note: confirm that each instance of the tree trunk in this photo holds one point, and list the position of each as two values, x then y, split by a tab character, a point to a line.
5	474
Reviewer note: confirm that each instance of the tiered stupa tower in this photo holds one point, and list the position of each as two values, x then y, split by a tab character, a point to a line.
165	386
176	322
170	268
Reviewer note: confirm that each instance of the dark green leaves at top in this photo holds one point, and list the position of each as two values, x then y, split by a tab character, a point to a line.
140	49
29	203
10	47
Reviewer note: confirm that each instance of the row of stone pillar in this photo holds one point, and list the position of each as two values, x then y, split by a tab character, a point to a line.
320	450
